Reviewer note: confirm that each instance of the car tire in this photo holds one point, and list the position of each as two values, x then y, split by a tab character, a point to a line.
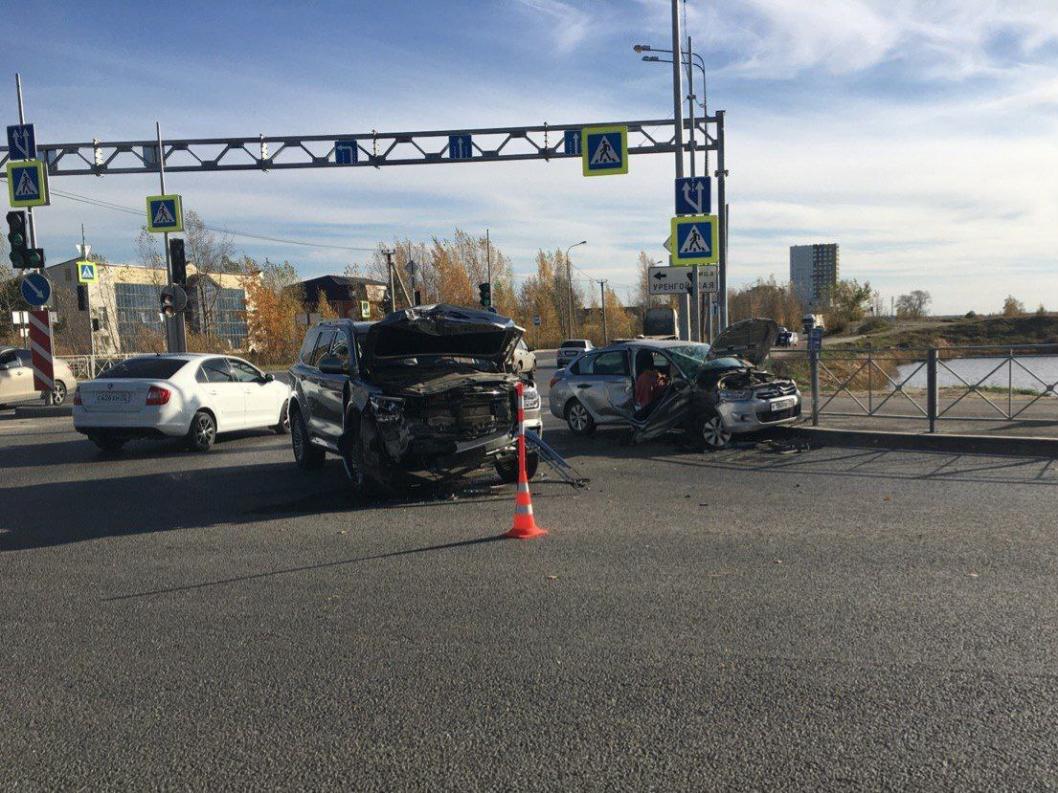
283	427
507	468
711	433
107	441
307	456
202	433
578	419
376	474
56	396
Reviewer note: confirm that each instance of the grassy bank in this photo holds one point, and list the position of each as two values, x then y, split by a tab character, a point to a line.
999	331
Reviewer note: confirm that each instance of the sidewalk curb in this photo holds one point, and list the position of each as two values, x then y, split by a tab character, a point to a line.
42	411
1020	446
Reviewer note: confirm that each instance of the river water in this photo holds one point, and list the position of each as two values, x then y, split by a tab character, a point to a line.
1045	367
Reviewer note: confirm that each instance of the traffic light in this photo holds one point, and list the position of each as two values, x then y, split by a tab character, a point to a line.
82	297
387	303
486	294
168	304
178	261
22	256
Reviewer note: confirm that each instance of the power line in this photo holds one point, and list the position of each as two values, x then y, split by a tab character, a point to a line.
139	213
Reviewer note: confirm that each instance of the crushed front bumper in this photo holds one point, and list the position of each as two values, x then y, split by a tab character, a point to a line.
753	415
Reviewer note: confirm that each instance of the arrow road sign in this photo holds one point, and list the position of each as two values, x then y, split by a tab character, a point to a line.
604	150
27	185
571	142
680	280
346	152
21	142
36	289
695	240
693	196
165	213
460	147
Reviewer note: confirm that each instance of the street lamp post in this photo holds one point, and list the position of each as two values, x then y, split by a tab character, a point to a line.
569	286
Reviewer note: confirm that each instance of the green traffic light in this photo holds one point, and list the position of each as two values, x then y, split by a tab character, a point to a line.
16	240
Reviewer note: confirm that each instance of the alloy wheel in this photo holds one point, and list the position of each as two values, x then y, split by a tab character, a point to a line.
714	433
204	431
578	417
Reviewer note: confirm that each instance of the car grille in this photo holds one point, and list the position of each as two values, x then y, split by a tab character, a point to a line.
769	416
471	414
775	390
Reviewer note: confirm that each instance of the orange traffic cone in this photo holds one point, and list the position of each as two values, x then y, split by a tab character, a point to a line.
524	527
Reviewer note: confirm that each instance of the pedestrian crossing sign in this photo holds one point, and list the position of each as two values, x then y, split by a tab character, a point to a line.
695	240
165	213
27	184
604	150
86	272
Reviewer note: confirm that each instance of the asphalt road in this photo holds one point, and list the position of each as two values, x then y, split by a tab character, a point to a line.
832	620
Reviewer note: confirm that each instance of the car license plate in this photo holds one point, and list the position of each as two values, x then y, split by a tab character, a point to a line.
783	404
113	396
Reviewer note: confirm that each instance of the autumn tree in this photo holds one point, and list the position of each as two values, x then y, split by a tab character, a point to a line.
274	298
1012	307
913	305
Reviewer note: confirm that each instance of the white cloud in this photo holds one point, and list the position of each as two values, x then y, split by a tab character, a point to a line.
569	25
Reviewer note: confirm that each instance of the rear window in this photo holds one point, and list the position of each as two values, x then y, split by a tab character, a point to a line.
576	344
145	369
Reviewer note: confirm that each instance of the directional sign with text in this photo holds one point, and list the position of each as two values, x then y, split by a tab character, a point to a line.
694	239
604	150
680	280
21	142
346	152
460	147
27	185
693	196
86	272
36	289
165	213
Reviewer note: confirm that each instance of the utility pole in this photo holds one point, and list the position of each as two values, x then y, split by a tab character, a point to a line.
721	200
88	306
392	286
488	260
677	115
30	223
174	328
696	291
602	295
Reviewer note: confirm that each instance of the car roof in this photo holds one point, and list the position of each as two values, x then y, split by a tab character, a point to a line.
359	326
659	344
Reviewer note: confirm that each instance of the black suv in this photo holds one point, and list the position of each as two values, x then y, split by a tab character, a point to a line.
425	394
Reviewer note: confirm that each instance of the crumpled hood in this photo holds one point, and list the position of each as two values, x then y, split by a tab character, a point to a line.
441	330
750	339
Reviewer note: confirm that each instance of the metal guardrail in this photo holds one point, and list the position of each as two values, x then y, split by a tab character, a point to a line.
88	367
868	383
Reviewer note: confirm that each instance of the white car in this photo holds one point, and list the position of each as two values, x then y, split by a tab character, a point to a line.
188	395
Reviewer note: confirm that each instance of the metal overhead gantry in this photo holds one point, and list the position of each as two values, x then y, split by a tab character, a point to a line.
366	150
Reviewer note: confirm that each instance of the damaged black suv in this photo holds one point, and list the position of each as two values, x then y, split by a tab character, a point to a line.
426	394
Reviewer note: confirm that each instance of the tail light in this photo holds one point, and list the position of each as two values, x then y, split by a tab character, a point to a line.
158	395
77	396
554	379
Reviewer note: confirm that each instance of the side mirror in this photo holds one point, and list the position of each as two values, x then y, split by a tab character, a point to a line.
331	364
269	377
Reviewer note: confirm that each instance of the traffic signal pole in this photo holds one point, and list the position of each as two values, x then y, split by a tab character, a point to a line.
22	120
175	330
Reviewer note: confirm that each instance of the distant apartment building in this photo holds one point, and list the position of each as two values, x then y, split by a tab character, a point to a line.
814	272
124	302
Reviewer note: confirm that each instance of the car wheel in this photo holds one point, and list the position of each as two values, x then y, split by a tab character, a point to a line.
106	441
307	456
712	432
202	433
507	467
377	475
283	427
56	396
579	419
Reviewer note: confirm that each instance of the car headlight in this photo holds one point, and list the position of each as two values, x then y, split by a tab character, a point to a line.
387	408
735	396
531	398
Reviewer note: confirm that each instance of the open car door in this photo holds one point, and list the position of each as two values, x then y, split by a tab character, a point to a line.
668	411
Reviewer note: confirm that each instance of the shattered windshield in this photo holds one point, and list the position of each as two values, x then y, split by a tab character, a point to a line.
690	358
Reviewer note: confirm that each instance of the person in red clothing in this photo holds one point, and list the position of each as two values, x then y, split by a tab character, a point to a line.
650	382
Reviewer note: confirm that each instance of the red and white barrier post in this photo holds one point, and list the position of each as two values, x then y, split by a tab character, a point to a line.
40	348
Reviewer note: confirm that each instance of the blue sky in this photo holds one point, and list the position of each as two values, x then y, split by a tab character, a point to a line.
921	136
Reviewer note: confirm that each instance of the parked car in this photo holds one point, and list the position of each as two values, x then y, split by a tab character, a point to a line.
570	349
785	338
428	393
524	358
16	379
711	393
189	395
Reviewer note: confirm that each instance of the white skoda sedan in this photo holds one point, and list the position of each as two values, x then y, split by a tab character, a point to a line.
193	396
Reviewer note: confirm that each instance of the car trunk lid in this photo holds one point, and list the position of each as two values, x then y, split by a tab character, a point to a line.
116	395
750	339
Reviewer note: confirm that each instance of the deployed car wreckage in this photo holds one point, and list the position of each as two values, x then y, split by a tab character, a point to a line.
427	393
709	393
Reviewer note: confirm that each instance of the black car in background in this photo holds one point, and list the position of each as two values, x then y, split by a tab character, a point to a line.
427	393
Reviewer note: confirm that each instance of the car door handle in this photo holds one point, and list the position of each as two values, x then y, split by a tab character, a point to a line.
584	385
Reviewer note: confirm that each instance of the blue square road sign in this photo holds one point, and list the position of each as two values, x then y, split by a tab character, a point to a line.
21	142
460	147
346	152
694	196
